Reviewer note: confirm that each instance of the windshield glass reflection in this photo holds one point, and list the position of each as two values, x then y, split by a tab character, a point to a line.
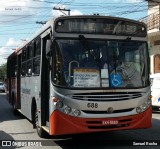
97	64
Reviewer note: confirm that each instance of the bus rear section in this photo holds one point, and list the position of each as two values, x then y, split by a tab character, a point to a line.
155	91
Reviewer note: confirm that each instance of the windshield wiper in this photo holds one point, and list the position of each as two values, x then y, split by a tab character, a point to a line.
85	44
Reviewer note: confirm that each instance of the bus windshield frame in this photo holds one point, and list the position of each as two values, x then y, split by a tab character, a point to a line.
100	63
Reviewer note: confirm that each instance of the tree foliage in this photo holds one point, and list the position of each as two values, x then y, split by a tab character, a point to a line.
3	71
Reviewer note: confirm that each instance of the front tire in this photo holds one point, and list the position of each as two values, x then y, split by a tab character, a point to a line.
41	133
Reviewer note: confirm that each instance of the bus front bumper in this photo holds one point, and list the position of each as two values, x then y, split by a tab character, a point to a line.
61	124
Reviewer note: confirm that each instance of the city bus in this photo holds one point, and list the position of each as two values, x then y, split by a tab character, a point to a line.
83	74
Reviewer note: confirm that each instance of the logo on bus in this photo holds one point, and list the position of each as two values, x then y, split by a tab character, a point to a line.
110	110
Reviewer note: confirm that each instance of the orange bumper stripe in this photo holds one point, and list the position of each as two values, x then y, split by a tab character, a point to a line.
61	123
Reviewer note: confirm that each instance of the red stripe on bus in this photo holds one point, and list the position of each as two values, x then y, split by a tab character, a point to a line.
61	123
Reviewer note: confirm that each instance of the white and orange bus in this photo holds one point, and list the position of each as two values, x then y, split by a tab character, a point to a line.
83	74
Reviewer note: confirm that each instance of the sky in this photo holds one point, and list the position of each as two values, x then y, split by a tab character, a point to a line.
19	18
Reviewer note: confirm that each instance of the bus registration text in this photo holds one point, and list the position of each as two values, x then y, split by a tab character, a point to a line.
110	122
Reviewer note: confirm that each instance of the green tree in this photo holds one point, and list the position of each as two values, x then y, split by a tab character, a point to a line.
3	71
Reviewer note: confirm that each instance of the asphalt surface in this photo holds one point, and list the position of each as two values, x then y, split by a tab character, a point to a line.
20	130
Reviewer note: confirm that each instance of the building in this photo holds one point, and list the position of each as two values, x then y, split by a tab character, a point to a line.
153	26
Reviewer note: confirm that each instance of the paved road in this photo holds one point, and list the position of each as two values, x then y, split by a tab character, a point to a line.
18	128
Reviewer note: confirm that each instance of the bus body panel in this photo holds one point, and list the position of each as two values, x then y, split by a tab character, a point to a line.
74	125
30	88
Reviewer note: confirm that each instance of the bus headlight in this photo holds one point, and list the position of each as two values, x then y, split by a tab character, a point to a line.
144	106
138	110
76	112
59	104
67	110
149	102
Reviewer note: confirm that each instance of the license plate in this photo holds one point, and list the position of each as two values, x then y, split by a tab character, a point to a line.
110	122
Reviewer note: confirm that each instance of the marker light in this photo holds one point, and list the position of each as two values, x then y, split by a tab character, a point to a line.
150	97
55	99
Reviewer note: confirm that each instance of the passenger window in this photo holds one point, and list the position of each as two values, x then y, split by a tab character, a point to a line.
24	55
30	51
37	47
23	70
29	67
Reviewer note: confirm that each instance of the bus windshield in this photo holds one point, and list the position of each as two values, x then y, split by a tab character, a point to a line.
90	63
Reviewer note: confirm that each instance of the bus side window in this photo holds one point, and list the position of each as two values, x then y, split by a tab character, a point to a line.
24	55
30	49
37	49
29	67
23	67
23	70
36	65
36	59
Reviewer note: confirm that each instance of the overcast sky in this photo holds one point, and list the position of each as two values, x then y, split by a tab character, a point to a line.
18	17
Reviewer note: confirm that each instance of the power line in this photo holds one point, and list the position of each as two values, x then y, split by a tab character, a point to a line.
41	22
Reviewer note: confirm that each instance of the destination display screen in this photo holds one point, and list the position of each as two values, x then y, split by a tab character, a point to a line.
106	26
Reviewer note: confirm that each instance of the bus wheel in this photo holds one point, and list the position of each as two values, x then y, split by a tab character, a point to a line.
41	133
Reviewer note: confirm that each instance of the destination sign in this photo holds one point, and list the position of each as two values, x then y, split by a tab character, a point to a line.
107	26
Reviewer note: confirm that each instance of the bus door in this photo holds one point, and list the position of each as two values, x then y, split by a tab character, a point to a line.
19	82
45	83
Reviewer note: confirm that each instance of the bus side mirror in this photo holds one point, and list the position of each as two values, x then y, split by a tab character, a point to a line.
48	47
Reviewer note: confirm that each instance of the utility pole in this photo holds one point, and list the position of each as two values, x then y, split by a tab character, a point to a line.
62	9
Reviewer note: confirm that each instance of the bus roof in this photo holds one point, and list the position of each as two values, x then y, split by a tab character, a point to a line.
100	16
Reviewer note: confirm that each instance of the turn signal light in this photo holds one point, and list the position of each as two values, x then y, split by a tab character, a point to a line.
55	99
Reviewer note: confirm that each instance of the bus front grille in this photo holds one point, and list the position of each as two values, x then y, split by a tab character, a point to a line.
106	112
107	96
